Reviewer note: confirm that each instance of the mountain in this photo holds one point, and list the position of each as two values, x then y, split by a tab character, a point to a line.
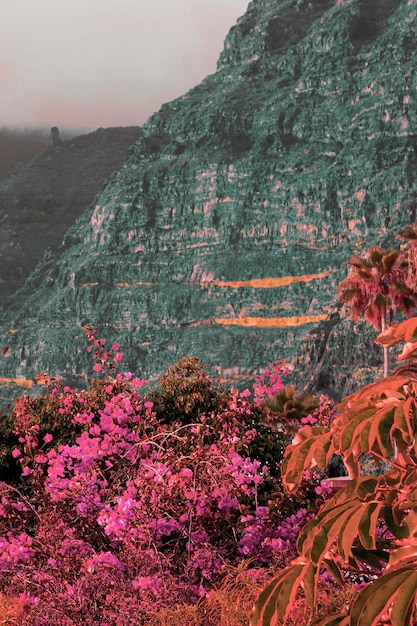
226	231
17	146
40	199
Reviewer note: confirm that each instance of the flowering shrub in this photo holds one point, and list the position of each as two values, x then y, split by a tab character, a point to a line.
128	501
231	602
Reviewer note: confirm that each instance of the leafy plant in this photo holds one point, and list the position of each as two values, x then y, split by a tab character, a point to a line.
376	287
185	391
12	610
369	527
125	502
228	604
291	407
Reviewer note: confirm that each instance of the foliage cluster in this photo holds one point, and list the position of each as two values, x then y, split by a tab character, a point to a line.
382	282
123	502
124	506
369	527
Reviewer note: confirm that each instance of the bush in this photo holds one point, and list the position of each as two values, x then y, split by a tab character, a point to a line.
128	502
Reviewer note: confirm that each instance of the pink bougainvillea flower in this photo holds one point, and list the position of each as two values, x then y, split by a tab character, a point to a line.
138	382
41	458
139	496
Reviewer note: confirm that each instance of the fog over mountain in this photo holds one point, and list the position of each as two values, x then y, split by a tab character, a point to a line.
17	146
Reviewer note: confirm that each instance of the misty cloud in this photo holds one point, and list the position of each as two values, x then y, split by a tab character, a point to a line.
93	63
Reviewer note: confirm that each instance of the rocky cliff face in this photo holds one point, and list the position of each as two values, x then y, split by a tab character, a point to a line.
224	234
40	199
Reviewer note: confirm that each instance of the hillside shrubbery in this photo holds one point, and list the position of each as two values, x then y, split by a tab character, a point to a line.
118	503
122	505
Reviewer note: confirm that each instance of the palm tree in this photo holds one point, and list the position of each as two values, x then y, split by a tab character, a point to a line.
376	287
409	234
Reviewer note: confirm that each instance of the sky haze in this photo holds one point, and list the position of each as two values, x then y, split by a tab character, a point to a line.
91	63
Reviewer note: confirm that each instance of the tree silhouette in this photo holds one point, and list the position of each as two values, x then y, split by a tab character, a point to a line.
376	287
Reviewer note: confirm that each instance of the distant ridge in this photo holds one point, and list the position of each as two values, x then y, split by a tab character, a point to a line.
18	146
42	197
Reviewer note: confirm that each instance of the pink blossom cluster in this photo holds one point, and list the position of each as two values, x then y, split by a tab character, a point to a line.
323	415
268	542
270	381
15	549
132	506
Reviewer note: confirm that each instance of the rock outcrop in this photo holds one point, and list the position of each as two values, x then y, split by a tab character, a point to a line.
225	233
55	140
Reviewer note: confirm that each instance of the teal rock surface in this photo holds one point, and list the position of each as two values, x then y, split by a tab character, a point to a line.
225	233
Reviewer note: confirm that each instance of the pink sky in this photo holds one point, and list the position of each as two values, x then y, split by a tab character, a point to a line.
91	63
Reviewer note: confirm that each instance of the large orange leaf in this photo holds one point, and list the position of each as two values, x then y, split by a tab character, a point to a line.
404	605
380	388
376	416
409	351
374	558
379	433
367	525
318	534
405	555
313	450
334	565
397	588
275	601
332	620
343	522
349	531
403	331
403	416
347	427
